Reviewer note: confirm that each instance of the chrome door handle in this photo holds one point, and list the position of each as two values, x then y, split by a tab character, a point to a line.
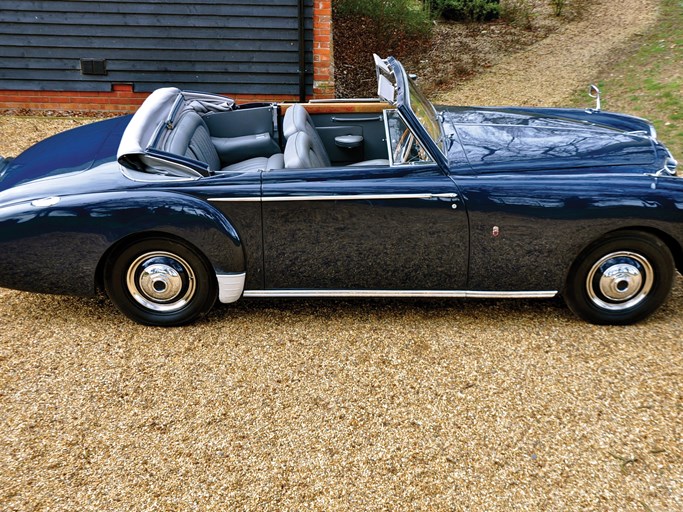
445	195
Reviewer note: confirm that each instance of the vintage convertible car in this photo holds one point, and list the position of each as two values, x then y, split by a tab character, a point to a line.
195	198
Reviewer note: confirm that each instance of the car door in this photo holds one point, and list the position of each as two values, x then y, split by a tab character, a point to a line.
367	228
236	195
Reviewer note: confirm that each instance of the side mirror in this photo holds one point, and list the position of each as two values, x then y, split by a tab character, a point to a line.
594	92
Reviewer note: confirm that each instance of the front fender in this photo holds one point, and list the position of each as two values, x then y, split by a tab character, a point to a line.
58	248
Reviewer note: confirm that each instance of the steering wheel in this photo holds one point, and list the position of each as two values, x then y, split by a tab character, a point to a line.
406	143
404	146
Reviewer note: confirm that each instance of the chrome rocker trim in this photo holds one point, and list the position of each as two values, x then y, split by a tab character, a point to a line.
230	286
404	293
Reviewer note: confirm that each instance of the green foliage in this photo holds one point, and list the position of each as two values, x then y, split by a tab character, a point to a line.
405	16
466	10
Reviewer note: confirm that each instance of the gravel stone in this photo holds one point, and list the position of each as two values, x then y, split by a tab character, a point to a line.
336	404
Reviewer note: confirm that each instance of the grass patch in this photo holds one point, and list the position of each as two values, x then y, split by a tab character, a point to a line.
649	81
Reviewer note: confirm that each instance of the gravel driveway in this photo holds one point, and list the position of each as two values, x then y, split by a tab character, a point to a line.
336	405
356	405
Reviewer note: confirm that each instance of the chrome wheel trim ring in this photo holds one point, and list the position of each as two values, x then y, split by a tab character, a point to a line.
161	281
619	280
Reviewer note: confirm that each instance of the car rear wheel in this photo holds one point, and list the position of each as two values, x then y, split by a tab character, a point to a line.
621	279
159	281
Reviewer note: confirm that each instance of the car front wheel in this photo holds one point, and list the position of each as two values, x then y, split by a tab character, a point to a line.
160	281
620	279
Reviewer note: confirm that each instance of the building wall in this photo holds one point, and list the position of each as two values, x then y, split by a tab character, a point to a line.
247	50
323	61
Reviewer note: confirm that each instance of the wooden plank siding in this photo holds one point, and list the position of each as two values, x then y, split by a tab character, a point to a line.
240	47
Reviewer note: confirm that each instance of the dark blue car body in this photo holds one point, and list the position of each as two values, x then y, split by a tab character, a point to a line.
503	202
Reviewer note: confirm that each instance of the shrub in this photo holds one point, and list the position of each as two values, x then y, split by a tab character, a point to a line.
466	10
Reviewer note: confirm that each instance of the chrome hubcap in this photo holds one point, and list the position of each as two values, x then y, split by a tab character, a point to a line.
161	281
619	280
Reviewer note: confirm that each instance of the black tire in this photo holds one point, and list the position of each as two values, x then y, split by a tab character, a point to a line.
158	281
621	279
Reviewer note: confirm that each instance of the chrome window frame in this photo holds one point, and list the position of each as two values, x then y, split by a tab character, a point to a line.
390	150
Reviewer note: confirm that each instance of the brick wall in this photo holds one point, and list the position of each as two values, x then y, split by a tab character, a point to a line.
323	62
122	99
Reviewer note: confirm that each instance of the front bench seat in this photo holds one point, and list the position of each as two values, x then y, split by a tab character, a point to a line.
300	152
190	137
298	120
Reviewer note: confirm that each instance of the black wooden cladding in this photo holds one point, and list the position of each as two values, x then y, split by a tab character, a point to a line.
234	46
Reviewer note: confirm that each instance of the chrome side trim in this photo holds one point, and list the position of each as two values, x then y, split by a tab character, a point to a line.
255	199
349	197
541	294
403	293
230	286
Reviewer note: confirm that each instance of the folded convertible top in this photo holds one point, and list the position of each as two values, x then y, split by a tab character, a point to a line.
159	111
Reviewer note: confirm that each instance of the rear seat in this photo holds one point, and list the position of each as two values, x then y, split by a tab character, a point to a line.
258	163
190	137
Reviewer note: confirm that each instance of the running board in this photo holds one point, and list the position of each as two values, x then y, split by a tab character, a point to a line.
230	288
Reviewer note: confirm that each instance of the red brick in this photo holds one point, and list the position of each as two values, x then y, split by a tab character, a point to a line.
122	87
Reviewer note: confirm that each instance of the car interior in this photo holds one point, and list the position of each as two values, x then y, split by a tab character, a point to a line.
259	138
181	134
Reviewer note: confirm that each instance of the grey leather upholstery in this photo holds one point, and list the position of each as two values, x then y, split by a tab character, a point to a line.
258	164
236	149
142	126
297	120
300	153
190	137
376	161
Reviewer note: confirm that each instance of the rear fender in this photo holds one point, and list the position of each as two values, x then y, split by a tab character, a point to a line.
59	248
182	216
